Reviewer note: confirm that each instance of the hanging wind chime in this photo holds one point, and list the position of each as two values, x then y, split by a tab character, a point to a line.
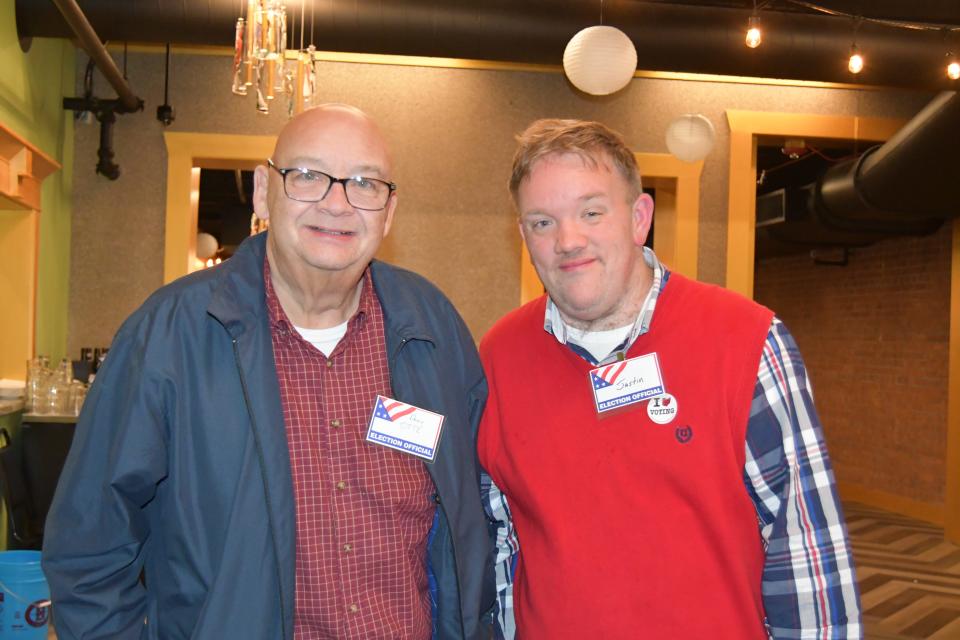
261	59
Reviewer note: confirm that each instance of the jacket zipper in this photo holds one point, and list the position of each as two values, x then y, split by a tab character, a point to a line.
263	479
453	542
456	570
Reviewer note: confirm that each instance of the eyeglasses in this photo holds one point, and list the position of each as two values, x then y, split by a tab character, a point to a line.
307	185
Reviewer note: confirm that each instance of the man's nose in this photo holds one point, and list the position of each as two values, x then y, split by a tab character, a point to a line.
336	200
569	237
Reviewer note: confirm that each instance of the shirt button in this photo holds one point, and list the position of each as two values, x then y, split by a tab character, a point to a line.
335	424
354	608
341	485
347	548
329	363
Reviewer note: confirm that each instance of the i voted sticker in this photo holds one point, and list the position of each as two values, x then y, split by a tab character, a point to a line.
662	409
404	427
622	384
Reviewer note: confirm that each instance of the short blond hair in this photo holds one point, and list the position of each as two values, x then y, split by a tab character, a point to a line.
583	138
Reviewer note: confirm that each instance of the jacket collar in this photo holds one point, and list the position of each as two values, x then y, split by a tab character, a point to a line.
403	310
239	298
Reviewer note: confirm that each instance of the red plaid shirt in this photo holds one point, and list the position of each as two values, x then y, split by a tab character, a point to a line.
363	511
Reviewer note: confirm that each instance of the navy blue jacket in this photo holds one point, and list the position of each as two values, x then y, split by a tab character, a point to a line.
180	467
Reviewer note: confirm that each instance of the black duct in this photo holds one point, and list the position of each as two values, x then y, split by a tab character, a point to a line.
788	222
906	187
668	37
914	176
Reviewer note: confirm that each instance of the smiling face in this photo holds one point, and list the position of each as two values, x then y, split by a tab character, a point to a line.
330	237
585	235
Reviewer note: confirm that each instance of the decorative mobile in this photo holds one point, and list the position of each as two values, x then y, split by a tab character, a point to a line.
260	57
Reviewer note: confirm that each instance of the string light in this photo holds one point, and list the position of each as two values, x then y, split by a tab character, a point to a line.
754	36
953	67
855	63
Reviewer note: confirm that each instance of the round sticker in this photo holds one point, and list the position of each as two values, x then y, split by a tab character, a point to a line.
37	613
662	409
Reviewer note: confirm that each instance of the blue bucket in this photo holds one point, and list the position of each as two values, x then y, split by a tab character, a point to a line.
24	596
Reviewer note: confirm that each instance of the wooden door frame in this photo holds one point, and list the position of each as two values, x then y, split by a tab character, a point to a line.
746	128
187	154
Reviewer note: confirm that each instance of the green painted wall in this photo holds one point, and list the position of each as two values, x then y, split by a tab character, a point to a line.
32	87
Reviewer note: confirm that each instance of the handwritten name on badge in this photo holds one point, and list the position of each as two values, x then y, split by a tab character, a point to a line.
624	383
404	427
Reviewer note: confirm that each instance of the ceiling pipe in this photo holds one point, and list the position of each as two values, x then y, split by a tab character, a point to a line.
81	28
915	175
908	186
668	37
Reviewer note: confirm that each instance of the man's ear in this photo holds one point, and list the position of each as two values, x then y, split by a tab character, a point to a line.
642	218
523	235
261	181
391	207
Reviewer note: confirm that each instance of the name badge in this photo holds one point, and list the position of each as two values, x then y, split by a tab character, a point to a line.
406	428
622	384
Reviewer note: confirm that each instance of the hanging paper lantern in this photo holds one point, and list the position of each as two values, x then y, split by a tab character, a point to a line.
690	137
207	245
600	60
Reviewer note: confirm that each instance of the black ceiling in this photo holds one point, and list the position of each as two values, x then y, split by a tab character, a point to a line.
700	36
942	12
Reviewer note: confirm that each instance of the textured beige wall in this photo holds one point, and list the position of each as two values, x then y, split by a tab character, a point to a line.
452	136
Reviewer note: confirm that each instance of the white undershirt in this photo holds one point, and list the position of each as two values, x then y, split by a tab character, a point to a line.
598	343
325	340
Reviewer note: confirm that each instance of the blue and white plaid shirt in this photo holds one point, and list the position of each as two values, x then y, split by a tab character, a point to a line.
809	586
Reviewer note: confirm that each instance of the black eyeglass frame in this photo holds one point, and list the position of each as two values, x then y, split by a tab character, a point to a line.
391	186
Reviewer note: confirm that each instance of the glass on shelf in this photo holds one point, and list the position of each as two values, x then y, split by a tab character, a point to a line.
58	398
50	391
78	393
37	392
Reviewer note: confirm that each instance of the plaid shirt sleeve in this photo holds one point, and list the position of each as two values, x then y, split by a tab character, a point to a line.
809	585
498	511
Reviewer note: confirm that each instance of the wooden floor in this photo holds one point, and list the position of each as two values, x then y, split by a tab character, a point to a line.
909	576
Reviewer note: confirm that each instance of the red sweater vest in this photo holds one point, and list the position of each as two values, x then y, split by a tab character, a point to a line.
628	528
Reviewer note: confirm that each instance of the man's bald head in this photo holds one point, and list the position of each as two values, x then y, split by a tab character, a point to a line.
314	127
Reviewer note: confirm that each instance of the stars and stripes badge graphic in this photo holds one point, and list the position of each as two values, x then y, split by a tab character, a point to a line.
391	410
404	427
606	376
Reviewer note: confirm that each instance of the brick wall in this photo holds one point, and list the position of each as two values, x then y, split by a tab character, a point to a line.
875	335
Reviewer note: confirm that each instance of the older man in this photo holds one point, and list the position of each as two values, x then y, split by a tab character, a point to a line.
656	437
284	444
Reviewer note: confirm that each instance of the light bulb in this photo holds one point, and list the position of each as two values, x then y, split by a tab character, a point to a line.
754	36
855	64
953	69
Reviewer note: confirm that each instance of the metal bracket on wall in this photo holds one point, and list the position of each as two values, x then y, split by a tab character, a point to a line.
839	257
106	113
105	110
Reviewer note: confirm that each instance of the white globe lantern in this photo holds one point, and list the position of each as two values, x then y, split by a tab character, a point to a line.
690	137
207	246
600	60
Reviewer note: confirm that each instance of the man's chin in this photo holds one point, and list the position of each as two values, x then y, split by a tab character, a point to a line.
581	311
